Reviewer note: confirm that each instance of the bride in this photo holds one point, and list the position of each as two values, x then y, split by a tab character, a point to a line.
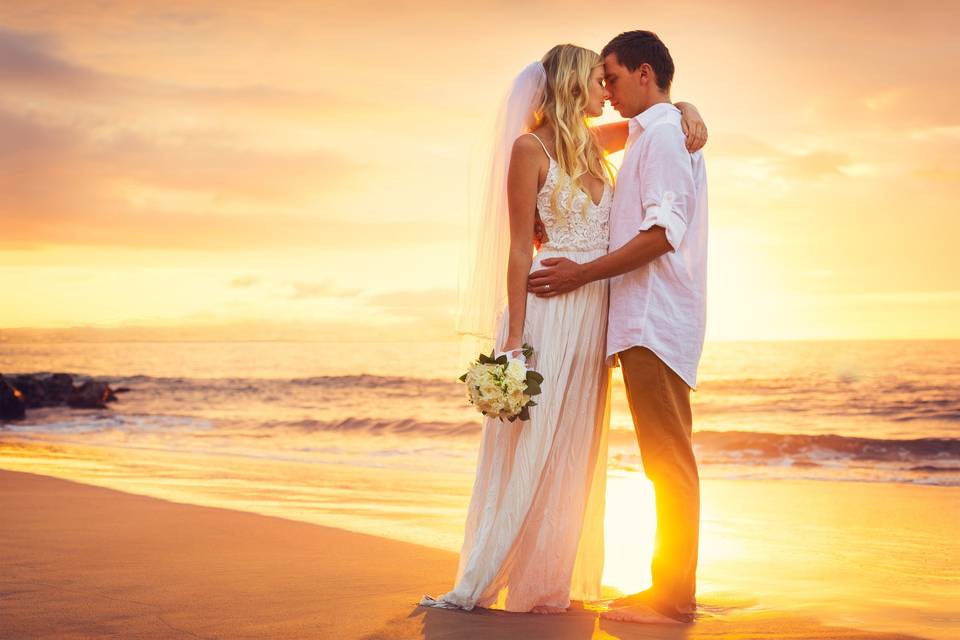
534	530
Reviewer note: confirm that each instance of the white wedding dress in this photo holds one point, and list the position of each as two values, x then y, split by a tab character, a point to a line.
534	529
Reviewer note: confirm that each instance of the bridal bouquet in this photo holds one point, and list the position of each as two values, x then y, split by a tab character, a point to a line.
502	386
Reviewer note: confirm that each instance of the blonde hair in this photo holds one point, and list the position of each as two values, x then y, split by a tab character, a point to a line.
578	152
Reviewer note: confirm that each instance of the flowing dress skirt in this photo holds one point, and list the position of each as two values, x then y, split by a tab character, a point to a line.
535	522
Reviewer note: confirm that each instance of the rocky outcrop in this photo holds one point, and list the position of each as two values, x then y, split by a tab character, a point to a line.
90	395
44	390
21	392
12	405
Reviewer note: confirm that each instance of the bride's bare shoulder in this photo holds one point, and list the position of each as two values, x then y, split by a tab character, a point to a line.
536	144
527	149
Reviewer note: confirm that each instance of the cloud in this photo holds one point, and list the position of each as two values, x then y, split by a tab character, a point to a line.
809	165
244	282
860	299
878	101
31	66
219	329
773	160
419	310
26	60
92	158
943	175
412	300
24	138
200	231
63	185
67	185
323	289
423	308
935	133
38	152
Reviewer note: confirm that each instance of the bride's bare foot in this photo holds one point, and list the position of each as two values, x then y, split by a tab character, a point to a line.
638	614
547	609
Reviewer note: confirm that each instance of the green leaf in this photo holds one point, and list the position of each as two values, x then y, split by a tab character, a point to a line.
533	389
535	376
485	359
531	403
462	378
501	360
525	414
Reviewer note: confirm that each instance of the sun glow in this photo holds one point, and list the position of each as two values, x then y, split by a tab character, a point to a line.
202	150
629	528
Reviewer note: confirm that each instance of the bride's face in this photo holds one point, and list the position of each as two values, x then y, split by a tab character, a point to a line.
595	93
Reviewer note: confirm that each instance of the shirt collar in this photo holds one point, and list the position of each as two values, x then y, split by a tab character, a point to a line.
646	118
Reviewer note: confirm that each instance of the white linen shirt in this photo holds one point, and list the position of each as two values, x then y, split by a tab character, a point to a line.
661	305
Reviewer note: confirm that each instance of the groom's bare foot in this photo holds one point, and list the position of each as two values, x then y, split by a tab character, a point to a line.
547	609
647	601
643	597
638	613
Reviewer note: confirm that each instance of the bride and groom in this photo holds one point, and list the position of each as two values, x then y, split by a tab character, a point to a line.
619	277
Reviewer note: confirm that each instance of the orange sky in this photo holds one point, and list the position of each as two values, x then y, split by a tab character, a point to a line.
237	170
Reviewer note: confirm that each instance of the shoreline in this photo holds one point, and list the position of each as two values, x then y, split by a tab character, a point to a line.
148	567
722	454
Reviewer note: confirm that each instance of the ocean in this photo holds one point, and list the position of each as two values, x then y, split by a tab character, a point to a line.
862	411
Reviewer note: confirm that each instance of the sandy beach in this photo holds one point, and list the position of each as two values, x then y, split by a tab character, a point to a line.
80	561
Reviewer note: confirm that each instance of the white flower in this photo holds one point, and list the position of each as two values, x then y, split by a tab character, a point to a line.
516	370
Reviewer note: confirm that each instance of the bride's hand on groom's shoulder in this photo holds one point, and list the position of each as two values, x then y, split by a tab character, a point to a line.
560	276
694	128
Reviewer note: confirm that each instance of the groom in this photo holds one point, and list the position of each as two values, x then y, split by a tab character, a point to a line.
657	269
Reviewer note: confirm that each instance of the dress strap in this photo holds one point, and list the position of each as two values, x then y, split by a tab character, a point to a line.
541	144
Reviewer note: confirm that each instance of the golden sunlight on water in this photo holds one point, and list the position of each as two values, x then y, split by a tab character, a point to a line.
830	549
629	532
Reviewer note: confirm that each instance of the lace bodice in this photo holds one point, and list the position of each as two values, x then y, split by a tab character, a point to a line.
575	229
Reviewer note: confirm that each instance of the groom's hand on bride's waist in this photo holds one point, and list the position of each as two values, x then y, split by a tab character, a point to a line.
560	275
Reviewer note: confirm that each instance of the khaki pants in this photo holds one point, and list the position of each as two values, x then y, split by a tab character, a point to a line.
660	403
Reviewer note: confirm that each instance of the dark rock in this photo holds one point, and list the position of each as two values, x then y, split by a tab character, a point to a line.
113	394
59	387
44	391
90	395
12	404
48	390
33	390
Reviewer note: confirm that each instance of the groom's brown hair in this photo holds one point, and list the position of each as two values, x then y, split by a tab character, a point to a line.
633	48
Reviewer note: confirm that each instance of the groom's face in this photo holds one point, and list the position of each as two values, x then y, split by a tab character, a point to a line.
624	87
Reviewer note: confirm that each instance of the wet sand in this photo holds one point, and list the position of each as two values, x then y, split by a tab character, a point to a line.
79	561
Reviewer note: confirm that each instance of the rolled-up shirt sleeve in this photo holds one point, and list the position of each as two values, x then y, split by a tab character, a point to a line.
667	186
